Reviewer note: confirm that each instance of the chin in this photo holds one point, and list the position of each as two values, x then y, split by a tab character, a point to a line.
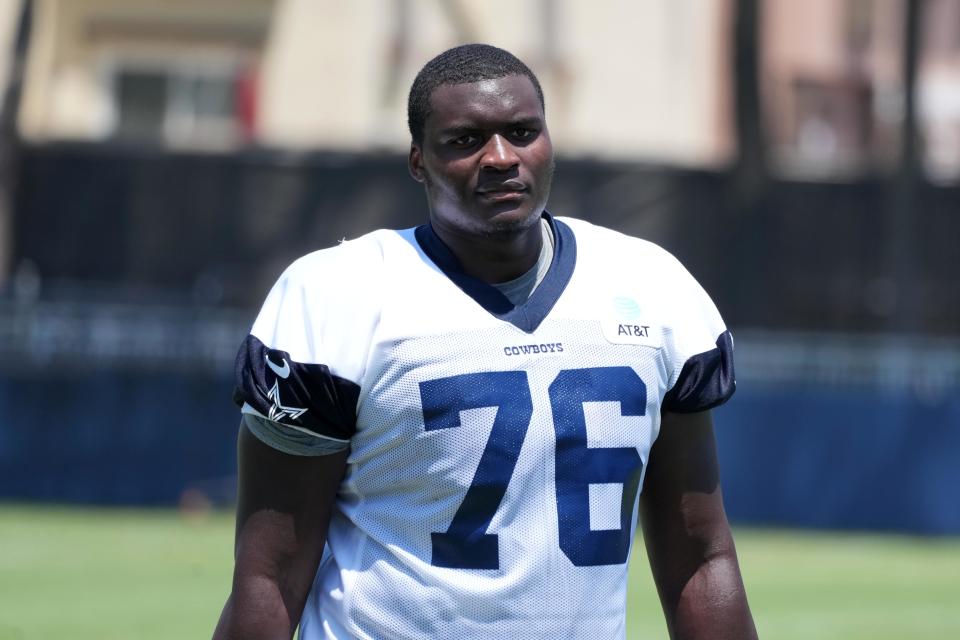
511	221
493	220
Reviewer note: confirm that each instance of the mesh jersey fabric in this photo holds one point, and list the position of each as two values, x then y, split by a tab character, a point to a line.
493	476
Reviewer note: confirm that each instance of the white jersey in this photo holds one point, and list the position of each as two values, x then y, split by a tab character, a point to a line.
496	452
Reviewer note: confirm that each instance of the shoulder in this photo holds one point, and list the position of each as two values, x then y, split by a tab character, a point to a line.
614	249
328	301
350	274
349	262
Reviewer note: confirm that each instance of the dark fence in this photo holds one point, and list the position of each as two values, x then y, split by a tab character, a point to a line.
217	229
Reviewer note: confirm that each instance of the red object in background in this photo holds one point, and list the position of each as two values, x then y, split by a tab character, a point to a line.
247	88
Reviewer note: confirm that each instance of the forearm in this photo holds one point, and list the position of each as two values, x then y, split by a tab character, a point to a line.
270	581
712	604
255	610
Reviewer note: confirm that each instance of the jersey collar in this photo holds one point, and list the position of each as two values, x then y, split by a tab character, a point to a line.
527	316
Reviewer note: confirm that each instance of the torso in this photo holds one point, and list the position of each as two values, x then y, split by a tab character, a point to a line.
493	478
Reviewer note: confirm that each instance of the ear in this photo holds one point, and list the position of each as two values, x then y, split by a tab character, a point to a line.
415	163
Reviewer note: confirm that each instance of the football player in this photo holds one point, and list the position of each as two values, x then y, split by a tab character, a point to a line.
451	431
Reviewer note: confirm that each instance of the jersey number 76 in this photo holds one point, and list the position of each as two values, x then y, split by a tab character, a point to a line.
466	543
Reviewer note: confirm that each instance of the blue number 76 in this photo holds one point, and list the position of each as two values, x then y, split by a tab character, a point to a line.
466	543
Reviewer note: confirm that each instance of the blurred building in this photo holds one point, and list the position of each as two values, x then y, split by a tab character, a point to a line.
627	80
631	79
181	73
834	85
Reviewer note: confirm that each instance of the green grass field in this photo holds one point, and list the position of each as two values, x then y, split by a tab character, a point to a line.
103	574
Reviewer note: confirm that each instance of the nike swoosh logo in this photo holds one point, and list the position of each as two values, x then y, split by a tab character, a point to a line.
283	372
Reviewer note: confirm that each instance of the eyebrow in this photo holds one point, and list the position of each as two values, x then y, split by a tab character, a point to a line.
469	126
528	121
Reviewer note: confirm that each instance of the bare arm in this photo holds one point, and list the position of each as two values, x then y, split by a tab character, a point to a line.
283	511
687	536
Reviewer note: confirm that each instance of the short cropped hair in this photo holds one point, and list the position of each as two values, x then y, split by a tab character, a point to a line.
460	65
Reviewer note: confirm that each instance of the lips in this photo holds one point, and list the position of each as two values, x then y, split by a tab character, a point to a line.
508	189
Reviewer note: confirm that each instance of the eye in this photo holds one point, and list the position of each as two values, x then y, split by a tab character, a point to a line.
464	141
522	133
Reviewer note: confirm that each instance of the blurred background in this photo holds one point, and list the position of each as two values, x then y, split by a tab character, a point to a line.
161	162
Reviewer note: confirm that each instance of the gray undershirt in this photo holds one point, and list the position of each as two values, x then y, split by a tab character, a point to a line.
296	443
520	289
283	438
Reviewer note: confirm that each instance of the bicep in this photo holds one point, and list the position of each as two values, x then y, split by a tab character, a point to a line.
682	513
683	462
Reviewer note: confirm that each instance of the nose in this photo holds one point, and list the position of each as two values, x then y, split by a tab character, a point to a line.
499	154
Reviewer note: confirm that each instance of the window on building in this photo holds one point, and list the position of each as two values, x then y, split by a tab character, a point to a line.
141	104
183	107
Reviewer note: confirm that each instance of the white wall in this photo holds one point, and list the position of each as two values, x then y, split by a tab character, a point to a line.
630	79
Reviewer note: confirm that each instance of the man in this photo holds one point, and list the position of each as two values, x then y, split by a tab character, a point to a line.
465	412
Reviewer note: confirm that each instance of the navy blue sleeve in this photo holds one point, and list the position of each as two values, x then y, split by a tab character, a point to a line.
706	380
305	396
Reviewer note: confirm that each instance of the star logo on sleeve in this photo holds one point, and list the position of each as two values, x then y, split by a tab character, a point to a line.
277	411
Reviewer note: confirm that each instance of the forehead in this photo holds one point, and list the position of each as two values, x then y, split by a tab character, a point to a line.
497	100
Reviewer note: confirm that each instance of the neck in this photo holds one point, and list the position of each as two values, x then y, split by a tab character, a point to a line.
494	259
